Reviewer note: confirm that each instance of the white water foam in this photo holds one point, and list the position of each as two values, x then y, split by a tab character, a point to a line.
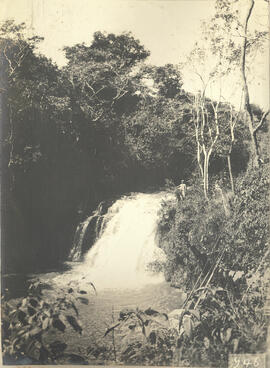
127	244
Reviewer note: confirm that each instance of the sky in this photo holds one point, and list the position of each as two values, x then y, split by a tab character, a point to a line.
168	28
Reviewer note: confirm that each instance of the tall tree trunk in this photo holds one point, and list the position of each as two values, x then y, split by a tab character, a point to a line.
230	170
205	174
199	159
250	117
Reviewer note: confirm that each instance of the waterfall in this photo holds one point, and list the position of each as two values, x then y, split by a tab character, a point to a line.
125	246
76	251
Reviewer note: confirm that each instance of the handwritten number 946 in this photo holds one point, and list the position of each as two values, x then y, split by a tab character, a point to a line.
246	363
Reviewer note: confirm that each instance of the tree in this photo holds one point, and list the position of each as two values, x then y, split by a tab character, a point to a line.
250	116
232	136
225	46
164	81
101	89
205	111
206	134
239	47
38	153
16	48
99	74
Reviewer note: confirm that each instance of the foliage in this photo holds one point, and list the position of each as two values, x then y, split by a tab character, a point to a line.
28	326
212	323
224	326
165	81
94	119
248	242
145	336
220	258
193	232
188	236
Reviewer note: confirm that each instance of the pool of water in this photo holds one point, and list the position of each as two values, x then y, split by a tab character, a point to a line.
104	307
105	304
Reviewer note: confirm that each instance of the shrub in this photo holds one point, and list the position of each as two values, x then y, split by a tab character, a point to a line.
146	337
219	257
26	325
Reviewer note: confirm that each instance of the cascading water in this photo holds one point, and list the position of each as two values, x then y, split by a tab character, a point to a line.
76	251
116	264
126	245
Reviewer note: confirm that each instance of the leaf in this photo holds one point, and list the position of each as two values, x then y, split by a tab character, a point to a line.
31	311
24	302
14	342
12	312
35	331
8	306
222	337
131	327
206	342
238	275
153	338
187	325
26	336
235	344
93	286
227	334
21	316
151	312
32	349
111	328
23	309
83	300
57	323
125	314
22	331
33	302
75	323
45	323
46	305
166	316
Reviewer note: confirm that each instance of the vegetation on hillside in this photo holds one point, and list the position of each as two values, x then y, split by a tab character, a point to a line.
218	251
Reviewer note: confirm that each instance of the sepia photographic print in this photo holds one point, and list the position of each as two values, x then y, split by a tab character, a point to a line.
135	183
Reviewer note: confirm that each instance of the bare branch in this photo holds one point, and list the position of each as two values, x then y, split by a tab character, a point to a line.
9	61
98	117
261	121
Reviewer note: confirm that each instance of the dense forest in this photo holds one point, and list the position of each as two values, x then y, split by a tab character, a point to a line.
109	123
79	135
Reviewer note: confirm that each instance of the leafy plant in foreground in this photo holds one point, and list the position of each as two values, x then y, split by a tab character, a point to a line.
146	337
26	326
